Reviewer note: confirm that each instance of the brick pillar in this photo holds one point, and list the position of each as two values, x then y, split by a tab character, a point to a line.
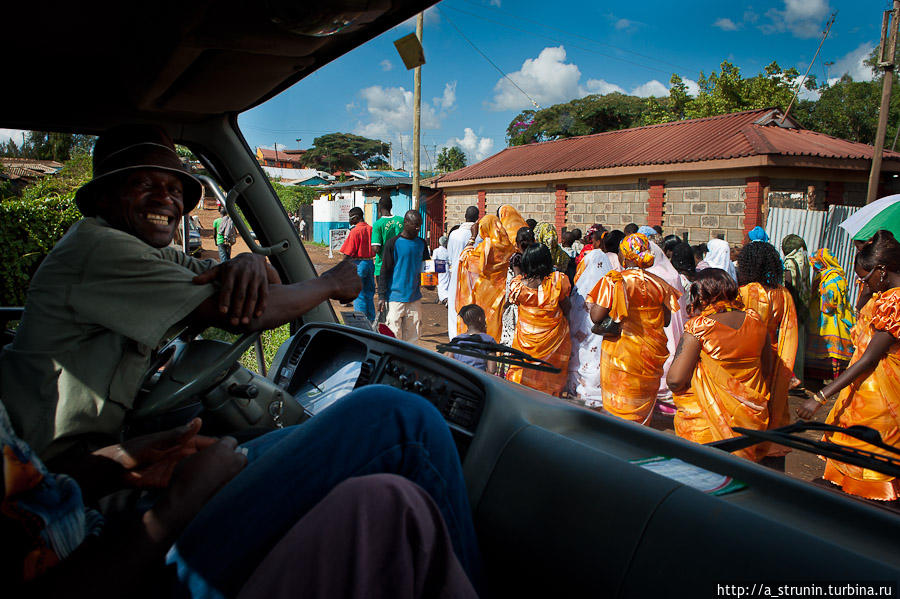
444	212
657	200
482	203
561	205
834	193
754	201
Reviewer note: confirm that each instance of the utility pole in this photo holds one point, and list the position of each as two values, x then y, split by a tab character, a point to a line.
886	63
417	117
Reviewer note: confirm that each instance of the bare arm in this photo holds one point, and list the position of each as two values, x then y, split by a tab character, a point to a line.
284	303
667	316
598	313
682	369
565	305
878	347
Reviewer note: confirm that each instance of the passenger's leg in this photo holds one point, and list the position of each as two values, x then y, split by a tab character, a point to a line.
376	429
372	536
395	318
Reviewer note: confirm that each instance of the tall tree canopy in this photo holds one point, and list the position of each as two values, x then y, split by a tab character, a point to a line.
450	159
346	152
582	116
44	145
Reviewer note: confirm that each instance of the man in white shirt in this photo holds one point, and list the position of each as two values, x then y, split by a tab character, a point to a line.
440	254
455	246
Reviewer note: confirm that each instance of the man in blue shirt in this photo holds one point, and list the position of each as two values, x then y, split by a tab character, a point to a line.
401	268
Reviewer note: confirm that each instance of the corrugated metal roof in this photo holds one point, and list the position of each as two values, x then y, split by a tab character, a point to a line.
735	135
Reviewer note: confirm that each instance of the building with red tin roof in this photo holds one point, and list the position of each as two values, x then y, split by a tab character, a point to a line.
698	178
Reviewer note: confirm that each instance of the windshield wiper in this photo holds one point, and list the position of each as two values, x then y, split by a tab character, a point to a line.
496	352
787	436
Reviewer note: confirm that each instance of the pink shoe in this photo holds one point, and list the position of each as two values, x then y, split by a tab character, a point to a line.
666	409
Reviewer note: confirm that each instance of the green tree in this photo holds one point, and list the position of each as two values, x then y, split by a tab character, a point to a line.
345	152
582	116
450	159
294	196
849	110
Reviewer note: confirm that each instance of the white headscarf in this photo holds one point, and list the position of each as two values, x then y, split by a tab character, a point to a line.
719	256
662	268
584	363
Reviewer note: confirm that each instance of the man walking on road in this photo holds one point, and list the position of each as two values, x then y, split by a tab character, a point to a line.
385	228
401	269
358	248
224	231
440	255
455	246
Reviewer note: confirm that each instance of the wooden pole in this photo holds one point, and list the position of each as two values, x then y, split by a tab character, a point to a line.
417	118
886	62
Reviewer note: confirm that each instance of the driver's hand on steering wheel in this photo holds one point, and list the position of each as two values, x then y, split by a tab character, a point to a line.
344	281
243	286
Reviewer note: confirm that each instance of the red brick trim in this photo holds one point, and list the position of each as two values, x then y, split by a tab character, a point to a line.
561	207
753	202
834	193
482	203
444	212
656	204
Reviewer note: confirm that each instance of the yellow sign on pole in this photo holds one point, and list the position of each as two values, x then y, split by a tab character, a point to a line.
410	49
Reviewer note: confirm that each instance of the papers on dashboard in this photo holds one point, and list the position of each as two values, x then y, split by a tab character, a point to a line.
691	475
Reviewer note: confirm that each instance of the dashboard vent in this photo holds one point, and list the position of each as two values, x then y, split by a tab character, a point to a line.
463	410
366	370
297	350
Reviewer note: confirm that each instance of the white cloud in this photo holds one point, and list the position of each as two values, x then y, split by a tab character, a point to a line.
386	65
391	109
750	16
726	24
549	79
803	18
623	24
692	88
475	147
495	3
651	88
448	99
13	134
852	64
601	86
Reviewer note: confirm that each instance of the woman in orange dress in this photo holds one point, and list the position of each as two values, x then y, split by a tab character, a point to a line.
761	277
868	392
542	330
482	272
631	365
717	378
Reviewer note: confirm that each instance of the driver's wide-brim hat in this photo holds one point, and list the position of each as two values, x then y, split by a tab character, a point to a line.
133	147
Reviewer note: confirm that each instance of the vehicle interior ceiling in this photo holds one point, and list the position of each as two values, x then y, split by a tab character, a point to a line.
551	483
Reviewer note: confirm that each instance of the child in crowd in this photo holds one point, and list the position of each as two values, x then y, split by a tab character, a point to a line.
473	317
568	238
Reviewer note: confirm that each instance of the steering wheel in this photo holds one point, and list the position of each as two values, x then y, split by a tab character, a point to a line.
194	367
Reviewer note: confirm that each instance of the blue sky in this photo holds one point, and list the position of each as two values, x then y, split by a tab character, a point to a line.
555	52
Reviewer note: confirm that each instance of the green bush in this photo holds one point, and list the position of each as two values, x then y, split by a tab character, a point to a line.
271	341
32	224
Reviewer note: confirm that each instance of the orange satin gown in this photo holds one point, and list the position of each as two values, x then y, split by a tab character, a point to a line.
482	274
542	331
632	364
776	308
512	221
728	387
872	401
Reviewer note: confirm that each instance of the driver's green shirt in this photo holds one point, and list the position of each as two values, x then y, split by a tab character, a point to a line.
99	304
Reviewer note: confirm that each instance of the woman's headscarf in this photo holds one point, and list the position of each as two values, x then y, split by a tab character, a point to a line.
719	256
647	231
823	260
796	262
545	233
512	221
757	233
636	247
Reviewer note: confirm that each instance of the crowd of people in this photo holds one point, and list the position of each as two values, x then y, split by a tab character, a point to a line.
713	335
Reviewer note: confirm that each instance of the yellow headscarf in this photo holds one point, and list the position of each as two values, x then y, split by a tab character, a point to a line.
545	233
823	260
512	221
636	247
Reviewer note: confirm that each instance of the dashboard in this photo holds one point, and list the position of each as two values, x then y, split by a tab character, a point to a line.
322	363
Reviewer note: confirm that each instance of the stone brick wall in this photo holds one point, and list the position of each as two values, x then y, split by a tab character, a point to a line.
537	203
705	210
457	202
612	205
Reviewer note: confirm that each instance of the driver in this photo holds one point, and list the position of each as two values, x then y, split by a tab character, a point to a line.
112	290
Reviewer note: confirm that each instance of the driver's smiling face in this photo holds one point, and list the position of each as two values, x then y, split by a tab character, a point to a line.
147	203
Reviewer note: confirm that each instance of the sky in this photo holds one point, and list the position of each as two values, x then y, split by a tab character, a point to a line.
554	52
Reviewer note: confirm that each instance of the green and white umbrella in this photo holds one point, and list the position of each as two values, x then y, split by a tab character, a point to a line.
880	214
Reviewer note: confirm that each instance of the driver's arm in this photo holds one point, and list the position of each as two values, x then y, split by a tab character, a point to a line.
284	303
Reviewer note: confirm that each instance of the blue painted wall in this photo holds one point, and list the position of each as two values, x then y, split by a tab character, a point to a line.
320	230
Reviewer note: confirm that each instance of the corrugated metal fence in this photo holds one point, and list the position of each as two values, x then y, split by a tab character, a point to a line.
818	229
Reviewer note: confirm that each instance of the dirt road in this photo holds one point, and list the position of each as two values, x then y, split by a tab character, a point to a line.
434	330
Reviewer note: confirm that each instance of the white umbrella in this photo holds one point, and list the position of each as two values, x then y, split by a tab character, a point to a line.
861	217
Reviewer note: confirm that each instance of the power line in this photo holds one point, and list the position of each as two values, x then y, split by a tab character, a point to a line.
483	55
811	62
572	34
